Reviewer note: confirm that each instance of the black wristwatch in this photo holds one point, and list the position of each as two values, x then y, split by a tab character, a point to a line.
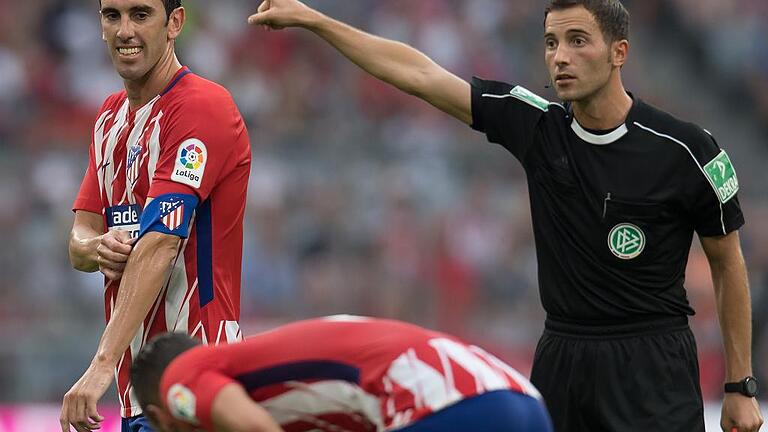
747	387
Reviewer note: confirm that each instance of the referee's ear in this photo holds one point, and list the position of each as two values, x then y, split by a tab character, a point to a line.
619	53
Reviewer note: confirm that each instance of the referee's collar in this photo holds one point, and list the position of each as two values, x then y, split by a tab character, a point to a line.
610	137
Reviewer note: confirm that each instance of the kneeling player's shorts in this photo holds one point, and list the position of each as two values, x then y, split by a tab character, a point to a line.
641	377
138	423
495	411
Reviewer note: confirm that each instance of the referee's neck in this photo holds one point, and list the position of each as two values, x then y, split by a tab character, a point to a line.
606	109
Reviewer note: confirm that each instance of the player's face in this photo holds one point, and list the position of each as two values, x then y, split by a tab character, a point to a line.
579	60
137	34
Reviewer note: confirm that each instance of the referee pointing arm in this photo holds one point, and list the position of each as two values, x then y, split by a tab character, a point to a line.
617	189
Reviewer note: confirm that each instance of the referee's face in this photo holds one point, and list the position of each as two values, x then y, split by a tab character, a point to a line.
578	58
138	35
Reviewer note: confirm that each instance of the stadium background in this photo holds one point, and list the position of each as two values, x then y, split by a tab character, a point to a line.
361	200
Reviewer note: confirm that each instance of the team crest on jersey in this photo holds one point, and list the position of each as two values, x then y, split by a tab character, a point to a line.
721	174
190	163
132	164
181	403
626	241
172	213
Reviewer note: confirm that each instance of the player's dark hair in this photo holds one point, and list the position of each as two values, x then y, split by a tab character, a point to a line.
170	6
148	367
610	15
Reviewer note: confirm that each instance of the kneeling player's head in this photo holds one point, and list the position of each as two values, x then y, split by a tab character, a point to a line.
149	365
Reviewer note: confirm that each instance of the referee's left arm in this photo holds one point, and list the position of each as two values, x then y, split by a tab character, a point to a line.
729	277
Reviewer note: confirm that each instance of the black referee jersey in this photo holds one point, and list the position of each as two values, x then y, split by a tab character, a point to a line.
613	215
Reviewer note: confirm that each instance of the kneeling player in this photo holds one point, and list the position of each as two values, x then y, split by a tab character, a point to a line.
340	373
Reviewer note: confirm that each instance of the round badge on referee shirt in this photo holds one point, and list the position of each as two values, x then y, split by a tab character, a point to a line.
626	241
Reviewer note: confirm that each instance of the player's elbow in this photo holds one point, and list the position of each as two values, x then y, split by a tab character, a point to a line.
419	82
157	248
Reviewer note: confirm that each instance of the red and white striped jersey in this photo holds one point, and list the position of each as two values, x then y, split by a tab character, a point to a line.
338	374
190	140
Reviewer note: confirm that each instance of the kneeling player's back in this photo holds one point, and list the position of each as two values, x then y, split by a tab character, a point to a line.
354	372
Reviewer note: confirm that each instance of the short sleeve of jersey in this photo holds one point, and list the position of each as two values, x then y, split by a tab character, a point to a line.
508	115
89	196
714	203
195	148
189	393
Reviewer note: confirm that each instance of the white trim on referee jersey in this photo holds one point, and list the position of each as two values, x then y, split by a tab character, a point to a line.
509	95
675	140
598	139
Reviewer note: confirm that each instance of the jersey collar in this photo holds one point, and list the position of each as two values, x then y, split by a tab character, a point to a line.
608	138
178	76
598	139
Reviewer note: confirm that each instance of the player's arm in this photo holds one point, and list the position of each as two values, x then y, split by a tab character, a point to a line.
91	249
393	62
234	411
729	277
84	239
147	268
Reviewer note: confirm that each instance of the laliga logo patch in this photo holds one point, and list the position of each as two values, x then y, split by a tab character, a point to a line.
190	163
181	403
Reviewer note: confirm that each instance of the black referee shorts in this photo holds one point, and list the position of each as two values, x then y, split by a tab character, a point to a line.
641	377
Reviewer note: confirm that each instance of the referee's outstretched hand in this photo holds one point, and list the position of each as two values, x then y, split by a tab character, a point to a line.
740	414
278	14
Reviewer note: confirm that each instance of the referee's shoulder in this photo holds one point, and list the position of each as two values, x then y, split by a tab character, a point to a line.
692	138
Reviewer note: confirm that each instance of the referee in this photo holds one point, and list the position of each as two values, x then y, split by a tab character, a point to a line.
617	189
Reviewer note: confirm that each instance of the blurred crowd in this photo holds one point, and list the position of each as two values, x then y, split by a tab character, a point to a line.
361	200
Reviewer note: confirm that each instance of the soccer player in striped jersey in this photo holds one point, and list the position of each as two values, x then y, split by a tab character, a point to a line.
340	374
160	209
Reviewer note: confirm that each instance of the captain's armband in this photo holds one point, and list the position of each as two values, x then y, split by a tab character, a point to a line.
168	214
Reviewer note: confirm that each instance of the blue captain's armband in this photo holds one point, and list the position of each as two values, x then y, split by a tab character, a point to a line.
168	214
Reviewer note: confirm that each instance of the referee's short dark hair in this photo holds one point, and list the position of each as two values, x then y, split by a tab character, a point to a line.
148	367
611	15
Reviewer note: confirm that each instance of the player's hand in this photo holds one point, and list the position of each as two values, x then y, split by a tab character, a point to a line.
740	414
278	14
79	406
112	253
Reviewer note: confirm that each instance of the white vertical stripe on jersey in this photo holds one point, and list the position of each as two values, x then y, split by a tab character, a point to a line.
389	388
140	121
199	327
178	294
154	147
309	400
423	381
232	331
129	398
98	145
109	157
486	377
218	333
513	374
447	370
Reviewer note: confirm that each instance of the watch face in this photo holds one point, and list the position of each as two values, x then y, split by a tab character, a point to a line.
750	385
